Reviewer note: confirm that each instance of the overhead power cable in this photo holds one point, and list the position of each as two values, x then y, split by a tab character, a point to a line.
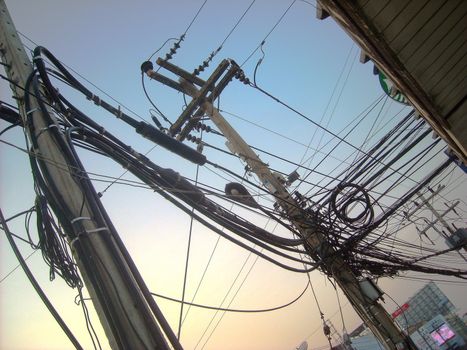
36	286
87	81
328	104
19	265
208	60
113	149
83	130
215	308
190	232
269	33
195	17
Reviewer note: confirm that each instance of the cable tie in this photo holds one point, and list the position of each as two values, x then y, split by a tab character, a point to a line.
32	111
87	232
42	130
49	127
99	229
73	241
37	57
79	218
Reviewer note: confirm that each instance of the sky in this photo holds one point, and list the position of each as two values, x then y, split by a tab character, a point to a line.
311	64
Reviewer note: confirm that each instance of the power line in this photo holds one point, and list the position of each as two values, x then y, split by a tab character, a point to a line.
224	299
269	33
16	267
276	133
190	231
329	103
216	308
195	17
236	24
206	62
241	285
36	285
88	81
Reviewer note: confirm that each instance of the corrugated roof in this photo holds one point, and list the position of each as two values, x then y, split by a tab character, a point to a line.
422	46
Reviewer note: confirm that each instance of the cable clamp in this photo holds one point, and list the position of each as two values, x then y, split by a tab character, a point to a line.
119	115
42	130
87	232
96	99
49	127
79	218
32	111
99	229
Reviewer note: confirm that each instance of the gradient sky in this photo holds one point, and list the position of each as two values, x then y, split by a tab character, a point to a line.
106	41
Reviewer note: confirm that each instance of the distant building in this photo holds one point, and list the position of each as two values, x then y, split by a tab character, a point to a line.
365	340
438	333
424	306
430	319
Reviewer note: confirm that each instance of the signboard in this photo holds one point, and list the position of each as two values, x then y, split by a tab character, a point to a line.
400	310
391	90
442	334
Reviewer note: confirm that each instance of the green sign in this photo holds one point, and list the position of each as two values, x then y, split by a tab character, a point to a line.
391	90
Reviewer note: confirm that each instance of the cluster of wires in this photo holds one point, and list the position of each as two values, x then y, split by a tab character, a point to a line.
51	239
54	247
82	131
354	208
351	212
358	203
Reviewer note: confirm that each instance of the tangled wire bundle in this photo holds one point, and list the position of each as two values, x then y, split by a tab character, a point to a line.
351	205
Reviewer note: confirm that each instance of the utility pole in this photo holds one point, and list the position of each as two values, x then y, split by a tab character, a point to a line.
439	218
128	313
359	293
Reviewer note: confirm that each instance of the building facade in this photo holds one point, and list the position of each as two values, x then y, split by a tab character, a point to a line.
426	307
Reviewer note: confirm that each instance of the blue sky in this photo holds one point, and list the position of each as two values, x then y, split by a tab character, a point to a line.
310	64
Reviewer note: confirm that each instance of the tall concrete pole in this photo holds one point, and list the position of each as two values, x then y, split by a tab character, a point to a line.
128	318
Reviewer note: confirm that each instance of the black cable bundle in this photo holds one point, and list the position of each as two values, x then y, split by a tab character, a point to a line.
54	247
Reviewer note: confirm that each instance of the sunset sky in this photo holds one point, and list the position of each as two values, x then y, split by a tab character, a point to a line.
311	64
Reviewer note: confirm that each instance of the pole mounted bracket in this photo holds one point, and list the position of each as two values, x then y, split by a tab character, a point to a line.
208	92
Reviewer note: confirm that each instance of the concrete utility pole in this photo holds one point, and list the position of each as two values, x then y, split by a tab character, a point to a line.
117	290
363	295
439	217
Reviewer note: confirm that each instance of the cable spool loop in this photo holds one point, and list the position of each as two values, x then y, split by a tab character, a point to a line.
351	204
